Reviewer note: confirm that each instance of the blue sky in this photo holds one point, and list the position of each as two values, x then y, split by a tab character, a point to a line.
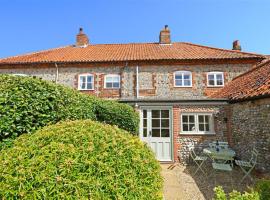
31	25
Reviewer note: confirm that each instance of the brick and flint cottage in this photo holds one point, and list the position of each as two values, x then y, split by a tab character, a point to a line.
171	84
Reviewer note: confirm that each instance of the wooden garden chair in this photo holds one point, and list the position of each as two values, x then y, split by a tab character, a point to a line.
199	160
248	166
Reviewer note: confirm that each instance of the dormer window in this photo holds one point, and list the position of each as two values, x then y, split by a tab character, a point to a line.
112	81
215	79
182	79
86	82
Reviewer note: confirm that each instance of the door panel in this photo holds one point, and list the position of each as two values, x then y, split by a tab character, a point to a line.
156	132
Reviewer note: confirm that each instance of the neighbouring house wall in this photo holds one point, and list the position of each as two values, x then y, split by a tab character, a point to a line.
184	142
251	128
155	82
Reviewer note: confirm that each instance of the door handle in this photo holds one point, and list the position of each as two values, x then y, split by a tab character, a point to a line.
150	133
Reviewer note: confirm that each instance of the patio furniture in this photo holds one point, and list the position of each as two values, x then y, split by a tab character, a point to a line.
221	156
222	145
199	160
248	166
222	167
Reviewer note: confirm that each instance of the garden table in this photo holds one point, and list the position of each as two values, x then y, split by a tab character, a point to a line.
223	154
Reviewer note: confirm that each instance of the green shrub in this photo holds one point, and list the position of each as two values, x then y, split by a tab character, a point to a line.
263	188
235	195
79	160
121	115
27	104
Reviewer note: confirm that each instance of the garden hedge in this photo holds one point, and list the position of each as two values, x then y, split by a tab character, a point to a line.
79	160
27	104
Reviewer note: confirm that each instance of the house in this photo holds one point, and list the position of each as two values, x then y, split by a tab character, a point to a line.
170	83
249	98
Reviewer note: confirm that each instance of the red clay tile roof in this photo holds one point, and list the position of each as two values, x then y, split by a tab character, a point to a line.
128	52
253	84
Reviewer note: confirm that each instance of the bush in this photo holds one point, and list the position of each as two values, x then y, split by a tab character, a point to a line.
121	115
263	188
27	104
79	160
234	195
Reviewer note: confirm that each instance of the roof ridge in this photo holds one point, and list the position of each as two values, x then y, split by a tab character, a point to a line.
216	48
35	52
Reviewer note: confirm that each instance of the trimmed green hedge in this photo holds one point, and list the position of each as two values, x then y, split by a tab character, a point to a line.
79	160
27	104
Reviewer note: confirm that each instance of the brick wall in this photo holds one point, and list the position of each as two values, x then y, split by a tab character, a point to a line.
184	142
251	128
155	82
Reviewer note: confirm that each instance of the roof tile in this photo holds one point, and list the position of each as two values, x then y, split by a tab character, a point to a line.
128	52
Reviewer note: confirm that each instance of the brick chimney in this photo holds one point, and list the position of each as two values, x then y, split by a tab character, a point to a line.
236	45
165	35
81	39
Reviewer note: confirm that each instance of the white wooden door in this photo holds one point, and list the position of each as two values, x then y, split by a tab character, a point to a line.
156	131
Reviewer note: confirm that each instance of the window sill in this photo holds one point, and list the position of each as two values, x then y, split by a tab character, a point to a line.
86	90
111	88
213	86
182	86
196	133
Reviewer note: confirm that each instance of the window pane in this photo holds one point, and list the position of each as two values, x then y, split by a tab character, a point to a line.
219	82
165	132
115	85
211	77
109	79
115	78
155	132
89	79
207	127
89	86
178	82
144	113
187	83
219	76
211	82
178	77
184	118
191	118
165	123
145	132
155	122
201	118
155	113
206	117
82	78
185	127
83	85
165	114
191	127
201	127
187	77
144	123
108	85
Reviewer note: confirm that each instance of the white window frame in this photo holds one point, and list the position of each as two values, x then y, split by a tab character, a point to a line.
86	75
215	79
182	73
196	118
112	75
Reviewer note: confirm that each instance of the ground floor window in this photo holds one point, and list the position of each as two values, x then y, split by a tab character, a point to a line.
197	123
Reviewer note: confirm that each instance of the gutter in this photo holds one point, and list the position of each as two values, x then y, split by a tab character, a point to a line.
249	98
164	102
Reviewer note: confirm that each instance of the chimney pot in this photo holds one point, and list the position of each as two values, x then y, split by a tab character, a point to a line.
165	35
81	39
236	45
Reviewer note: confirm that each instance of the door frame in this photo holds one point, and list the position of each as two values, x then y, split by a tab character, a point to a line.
161	107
